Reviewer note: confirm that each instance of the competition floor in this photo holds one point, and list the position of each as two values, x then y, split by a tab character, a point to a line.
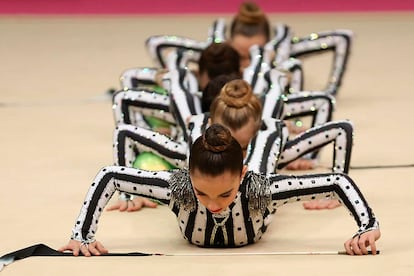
56	133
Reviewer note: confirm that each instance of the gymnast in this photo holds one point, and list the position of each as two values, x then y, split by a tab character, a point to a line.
175	151
217	201
263	140
130	105
251	27
138	99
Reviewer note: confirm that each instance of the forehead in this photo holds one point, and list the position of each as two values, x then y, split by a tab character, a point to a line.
214	185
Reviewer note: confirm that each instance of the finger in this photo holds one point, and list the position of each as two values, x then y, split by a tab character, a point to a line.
131	206
310	205
334	203
355	246
113	207
137	204
92	249
362	244
64	248
123	205
150	204
76	251
322	204
101	248
348	248
372	245
85	251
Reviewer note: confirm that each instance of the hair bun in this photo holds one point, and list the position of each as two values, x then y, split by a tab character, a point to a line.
250	13
236	93
217	138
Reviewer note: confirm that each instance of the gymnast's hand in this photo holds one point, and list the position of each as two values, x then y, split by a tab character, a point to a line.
136	204
358	245
94	248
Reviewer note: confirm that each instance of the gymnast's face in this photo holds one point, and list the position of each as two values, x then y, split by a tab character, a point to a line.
242	45
216	193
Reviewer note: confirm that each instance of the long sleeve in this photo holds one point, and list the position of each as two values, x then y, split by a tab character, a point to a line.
265	147
132	77
131	140
337	133
110	179
130	106
158	44
182	86
338	40
285	189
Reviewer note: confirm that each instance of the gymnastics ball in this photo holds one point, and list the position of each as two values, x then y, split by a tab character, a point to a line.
160	90
155	123
151	162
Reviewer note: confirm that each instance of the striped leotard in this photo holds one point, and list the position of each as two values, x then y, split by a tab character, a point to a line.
242	223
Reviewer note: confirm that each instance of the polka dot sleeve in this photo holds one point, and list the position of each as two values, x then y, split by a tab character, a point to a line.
110	179
131	140
287	189
130	106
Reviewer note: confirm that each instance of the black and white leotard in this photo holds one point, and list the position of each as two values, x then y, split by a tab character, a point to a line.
282	46
129	140
242	223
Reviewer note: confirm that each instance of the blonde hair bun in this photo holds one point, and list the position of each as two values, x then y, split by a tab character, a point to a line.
236	93
250	13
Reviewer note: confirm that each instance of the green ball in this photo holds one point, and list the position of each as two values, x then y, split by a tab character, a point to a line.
160	90
155	123
151	162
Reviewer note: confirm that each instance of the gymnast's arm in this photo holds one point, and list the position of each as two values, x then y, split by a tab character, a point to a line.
338	40
286	189
130	107
153	185
265	147
184	104
157	45
129	142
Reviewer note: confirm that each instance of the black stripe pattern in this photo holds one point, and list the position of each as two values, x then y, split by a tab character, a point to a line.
238	225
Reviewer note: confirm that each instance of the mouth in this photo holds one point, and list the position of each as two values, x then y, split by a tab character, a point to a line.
216	211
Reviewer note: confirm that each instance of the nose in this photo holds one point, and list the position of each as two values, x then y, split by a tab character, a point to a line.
213	206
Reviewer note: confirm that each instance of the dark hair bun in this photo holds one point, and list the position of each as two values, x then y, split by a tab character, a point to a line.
217	138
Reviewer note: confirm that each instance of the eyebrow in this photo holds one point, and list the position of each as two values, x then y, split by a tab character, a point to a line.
200	192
